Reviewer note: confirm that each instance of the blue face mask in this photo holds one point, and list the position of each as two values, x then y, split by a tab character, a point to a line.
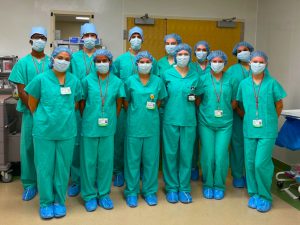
102	68
182	60
38	45
136	43
61	65
217	67
144	68
170	49
201	55
89	42
244	56
257	68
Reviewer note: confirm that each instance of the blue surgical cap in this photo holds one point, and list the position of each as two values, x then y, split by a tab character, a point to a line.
56	51
242	43
88	28
104	52
175	36
204	43
259	54
134	30
38	30
217	54
143	54
181	47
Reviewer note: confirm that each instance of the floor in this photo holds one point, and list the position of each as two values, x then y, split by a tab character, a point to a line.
232	210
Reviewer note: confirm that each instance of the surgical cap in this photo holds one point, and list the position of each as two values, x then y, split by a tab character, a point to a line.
103	52
181	47
88	28
242	43
217	54
56	51
204	43
259	54
143	54
134	30
38	30
175	36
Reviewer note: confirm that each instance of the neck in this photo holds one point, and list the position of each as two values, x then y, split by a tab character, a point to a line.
144	76
183	71
89	52
134	52
245	64
218	76
257	78
59	74
202	63
38	55
102	75
170	59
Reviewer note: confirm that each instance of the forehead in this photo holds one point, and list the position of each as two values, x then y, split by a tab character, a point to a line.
171	40
217	59
101	57
63	54
144	59
258	58
201	46
242	47
183	52
135	35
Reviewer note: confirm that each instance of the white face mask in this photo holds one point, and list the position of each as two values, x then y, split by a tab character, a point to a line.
170	49
201	55
102	68
244	56
89	42
38	45
182	60
257	68
136	43
61	65
217	67
144	68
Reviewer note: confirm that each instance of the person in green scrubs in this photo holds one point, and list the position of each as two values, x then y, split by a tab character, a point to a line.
82	64
201	66
144	93
53	97
261	96
179	125
215	118
124	67
22	73
239	71
102	94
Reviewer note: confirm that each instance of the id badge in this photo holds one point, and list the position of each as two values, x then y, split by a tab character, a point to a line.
191	98
257	123
65	90
150	105
103	122
218	113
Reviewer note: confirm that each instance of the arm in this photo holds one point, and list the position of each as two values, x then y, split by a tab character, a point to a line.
119	105
198	101
81	106
279	107
22	94
239	111
233	104
32	103
158	103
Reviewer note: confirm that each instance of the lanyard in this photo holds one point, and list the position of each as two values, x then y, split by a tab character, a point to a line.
243	70
36	66
87	69
216	93
133	66
256	95
101	94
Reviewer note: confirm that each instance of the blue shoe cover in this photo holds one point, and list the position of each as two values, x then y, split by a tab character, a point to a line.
195	174
263	205
151	200
172	197
29	193
47	212
219	194
252	203
185	197
106	202
73	190
238	182
91	205
208	193
132	201
59	210
119	180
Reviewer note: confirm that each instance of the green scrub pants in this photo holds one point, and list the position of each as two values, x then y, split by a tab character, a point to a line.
146	151
28	172
177	157
196	152
120	143
214	155
259	166
237	162
75	167
96	166
53	161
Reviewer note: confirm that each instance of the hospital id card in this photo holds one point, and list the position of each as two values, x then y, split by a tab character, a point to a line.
150	105
218	113
257	123
65	90
103	122
191	98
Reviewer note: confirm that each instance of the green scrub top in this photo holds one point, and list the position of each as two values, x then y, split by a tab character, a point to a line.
270	93
195	66
210	88
112	89
163	64
124	66
25	70
141	121
54	118
178	110
82	64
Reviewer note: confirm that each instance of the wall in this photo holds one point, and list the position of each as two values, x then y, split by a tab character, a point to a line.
278	33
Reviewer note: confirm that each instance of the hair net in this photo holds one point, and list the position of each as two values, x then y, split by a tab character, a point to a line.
104	52
135	30
219	54
175	36
143	54
56	51
242	43
88	28
202	43
260	54
38	30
